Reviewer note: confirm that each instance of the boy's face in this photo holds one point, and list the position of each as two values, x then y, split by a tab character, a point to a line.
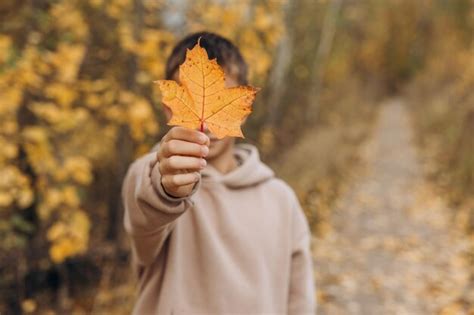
217	146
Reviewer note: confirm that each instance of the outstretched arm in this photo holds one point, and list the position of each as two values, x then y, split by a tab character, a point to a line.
157	190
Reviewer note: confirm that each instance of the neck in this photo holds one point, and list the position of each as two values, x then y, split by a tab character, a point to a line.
224	162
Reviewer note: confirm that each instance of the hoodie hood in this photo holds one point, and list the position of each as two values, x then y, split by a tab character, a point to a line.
250	172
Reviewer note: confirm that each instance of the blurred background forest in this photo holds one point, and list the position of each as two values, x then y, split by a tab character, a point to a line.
77	105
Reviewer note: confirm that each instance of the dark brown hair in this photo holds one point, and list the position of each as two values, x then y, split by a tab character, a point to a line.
227	54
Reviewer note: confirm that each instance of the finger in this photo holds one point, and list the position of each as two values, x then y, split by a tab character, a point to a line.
181	133
180	147
181	163
180	179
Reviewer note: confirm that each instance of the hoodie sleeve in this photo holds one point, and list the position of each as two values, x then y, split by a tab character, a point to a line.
302	296
150	213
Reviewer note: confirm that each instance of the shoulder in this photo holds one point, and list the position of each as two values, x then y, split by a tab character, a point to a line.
289	200
279	185
282	191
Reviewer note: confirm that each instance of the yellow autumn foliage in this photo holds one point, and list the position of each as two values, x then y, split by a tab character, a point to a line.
260	27
14	187
69	237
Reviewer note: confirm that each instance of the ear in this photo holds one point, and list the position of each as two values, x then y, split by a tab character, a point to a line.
167	112
166	109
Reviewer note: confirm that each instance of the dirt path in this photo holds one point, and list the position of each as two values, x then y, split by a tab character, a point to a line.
391	249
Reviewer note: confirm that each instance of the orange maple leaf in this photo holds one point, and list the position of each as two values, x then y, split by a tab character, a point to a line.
203	98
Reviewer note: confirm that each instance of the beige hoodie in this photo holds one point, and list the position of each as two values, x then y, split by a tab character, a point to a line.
238	245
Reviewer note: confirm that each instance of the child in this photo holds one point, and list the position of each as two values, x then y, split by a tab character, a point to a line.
212	230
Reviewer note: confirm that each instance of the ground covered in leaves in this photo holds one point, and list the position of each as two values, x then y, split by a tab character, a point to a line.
390	245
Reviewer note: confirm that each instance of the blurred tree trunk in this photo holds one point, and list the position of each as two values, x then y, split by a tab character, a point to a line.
287	102
326	41
277	81
293	105
463	156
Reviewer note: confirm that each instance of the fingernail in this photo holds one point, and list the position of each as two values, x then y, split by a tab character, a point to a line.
203	138
203	163
204	150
